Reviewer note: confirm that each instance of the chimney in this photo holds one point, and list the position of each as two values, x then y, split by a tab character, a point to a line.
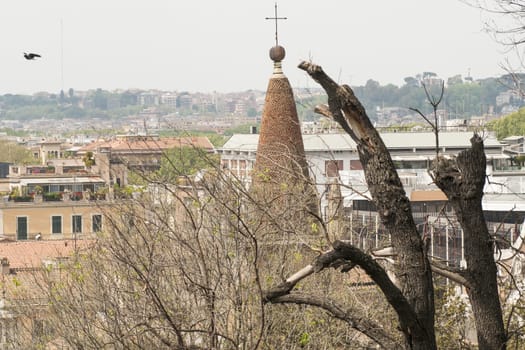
5	266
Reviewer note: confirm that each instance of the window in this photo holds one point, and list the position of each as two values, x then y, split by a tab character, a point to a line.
332	167
56	224
96	221
21	227
411	164
355	164
76	221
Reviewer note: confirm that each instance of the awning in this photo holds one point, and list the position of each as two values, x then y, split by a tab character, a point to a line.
411	158
427	196
497	156
61	181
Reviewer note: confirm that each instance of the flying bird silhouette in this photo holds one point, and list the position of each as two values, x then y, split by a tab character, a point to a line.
31	56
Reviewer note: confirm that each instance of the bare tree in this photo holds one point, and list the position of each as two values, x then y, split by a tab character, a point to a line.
512	31
462	180
199	262
184	264
413	297
506	23
171	272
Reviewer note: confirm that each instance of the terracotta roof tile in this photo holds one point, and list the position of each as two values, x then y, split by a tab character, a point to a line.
151	144
25	254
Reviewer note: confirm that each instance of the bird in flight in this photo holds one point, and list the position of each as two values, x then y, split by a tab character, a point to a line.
31	56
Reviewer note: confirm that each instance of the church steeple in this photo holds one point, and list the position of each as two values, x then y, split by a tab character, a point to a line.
280	159
280	177
280	152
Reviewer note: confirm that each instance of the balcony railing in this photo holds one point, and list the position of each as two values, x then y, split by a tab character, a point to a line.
56	197
508	168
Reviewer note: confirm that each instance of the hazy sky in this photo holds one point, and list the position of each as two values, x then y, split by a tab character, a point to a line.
211	45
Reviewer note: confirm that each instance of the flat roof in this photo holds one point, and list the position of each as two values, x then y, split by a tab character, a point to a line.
342	141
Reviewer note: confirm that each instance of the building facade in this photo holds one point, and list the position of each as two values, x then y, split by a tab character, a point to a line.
51	220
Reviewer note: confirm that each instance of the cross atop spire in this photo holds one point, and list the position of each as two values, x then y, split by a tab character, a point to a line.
276	18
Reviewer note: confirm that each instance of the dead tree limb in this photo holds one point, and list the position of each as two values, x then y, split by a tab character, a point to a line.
345	256
462	179
412	265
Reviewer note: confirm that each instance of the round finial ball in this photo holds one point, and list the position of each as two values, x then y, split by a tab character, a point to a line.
277	53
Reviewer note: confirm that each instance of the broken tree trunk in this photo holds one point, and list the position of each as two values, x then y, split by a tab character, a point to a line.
413	270
462	179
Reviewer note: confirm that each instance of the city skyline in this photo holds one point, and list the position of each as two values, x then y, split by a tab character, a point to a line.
206	46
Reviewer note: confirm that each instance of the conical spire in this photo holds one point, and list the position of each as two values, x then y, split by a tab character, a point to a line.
280	178
280	152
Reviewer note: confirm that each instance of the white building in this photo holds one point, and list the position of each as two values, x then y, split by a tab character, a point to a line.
335	156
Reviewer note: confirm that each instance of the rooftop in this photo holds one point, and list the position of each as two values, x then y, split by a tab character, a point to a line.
151	144
341	141
28	254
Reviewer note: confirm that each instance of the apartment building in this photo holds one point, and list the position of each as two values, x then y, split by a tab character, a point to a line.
51	220
113	158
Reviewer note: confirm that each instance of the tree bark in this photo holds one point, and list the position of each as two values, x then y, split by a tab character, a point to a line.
412	266
463	180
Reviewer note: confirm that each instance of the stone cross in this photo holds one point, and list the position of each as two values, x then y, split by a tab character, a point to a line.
276	18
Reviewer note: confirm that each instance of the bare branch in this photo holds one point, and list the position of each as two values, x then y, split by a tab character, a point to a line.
424	117
369	328
344	251
451	275
324	110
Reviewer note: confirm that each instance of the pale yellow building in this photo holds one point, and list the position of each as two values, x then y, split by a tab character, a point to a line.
51	220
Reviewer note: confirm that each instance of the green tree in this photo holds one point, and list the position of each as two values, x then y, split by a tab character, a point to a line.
511	125
240	129
100	99
11	152
456	79
128	98
184	161
252	112
89	159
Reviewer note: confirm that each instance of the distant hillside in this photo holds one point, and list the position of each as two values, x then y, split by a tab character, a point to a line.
463	98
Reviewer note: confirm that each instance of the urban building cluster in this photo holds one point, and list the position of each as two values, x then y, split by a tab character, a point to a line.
61	200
